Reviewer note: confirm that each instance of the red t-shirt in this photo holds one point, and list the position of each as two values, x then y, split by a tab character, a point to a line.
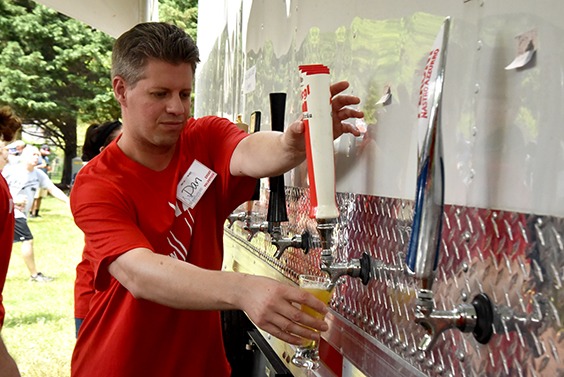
6	237
121	205
83	288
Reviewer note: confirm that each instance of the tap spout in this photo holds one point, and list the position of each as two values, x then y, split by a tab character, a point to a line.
356	268
326	230
239	216
253	229
298	241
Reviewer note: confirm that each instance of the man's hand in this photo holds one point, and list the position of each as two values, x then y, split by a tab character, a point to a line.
268	154
275	308
341	110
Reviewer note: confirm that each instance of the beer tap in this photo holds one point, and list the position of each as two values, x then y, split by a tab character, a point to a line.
253	229
316	108
277	202
356	268
233	217
424	243
299	241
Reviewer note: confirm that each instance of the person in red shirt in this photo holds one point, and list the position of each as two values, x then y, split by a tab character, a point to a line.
152	207
97	138
9	124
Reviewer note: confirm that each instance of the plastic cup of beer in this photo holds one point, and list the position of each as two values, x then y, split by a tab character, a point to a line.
307	355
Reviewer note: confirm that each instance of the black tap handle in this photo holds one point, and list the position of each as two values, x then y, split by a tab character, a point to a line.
254	126
277	110
306	242
365	268
277	202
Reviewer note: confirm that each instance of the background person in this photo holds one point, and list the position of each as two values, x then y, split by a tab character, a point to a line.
44	164
154	238
24	181
97	138
9	124
14	151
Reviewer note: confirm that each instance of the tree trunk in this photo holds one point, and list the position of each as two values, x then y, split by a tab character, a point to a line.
69	133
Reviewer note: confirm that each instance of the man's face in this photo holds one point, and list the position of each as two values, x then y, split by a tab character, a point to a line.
156	108
32	157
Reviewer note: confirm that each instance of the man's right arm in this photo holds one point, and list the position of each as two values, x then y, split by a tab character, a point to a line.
177	284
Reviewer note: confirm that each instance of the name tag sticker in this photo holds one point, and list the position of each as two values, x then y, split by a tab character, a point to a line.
194	184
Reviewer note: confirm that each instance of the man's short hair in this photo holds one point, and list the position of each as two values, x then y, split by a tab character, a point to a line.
151	40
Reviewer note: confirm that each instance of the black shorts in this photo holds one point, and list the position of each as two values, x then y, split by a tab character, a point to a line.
21	230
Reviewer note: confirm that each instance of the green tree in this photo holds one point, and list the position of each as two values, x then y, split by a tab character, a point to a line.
54	71
182	13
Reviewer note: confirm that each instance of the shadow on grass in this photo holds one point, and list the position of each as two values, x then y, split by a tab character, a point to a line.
32	318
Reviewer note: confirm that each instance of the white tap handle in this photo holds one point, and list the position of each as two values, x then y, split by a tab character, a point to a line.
316	108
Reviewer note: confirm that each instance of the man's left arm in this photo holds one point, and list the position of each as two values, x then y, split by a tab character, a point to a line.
268	154
46	182
58	193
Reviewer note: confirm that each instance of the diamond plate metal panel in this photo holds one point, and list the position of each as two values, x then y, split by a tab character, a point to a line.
516	259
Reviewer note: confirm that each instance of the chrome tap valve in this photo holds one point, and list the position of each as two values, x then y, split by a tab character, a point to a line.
477	318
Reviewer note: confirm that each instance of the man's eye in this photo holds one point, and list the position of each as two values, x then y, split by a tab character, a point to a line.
159	94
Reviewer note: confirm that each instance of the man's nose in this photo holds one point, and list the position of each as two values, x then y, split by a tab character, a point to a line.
175	105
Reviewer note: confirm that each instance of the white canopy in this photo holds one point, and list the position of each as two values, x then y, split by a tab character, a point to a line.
110	16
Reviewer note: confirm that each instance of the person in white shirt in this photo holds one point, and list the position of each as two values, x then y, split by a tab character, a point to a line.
24	181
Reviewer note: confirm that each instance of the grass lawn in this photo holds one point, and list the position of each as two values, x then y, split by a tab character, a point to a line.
39	324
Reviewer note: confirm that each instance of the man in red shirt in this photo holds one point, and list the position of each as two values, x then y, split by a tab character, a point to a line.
152	207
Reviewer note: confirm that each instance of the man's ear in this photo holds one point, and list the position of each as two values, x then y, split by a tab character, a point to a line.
119	86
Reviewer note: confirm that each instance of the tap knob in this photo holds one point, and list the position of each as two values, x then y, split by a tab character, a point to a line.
483	330
365	272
